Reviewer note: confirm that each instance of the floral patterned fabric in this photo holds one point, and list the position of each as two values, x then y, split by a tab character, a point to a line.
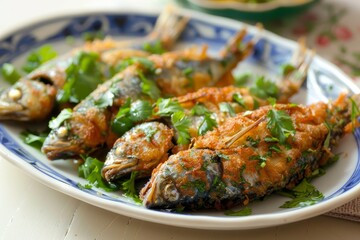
332	28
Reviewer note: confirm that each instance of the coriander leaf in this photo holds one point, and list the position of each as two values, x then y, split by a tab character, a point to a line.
264	88
38	57
226	107
287	69
181	124
280	125
140	110
246	211
144	62
9	73
355	112
34	139
83	75
167	107
129	189
64	114
207	124
154	48
199	110
91	36
106	100
242	80
304	194
188	72
122	122
239	99
121	125
149	87
91	171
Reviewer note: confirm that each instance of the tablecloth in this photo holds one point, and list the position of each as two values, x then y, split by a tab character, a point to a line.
332	28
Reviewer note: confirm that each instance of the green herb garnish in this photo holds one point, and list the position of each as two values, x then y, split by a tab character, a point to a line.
91	36
264	88
304	194
34	139
167	107
154	48
149	87
64	114
246	211
207	124
280	125
129	114
240	100
181	124
38	57
242	80
129	189
9	73
355	112
287	69
199	110
91	171
226	107
83	75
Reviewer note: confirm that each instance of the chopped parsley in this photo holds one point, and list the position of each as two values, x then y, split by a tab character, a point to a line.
355	112
226	107
264	88
34	139
149	87
154	48
91	36
91	171
242	80
199	110
207	124
287	69
129	188
280	125
9	73
188	72
129	114
181	124
64	114
239	99
83	75
106	100
38	57
246	211
167	107
303	195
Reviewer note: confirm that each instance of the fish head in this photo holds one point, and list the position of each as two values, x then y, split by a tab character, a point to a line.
61	143
27	100
140	149
183	179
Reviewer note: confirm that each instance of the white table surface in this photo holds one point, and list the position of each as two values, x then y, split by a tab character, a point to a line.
30	210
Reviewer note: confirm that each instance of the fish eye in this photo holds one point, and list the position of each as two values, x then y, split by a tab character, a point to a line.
170	192
62	132
15	94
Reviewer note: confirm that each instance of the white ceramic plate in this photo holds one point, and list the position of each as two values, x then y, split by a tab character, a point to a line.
339	185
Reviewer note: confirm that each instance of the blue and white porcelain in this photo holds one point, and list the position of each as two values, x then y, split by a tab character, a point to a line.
339	185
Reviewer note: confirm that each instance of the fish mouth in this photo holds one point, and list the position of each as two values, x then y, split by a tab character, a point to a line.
13	110
55	148
119	168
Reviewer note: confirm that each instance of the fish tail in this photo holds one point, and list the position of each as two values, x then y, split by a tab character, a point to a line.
295	73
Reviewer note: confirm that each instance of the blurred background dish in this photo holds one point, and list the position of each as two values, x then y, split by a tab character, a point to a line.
252	10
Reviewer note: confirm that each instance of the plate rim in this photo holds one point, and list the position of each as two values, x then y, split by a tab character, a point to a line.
181	220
